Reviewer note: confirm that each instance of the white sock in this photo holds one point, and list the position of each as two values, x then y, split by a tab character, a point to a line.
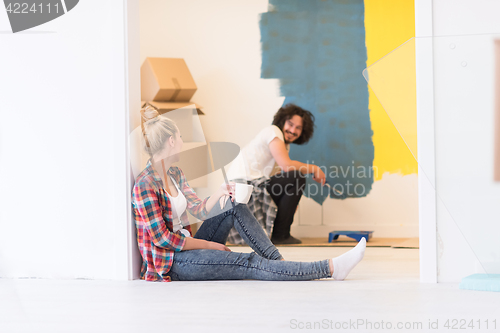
343	264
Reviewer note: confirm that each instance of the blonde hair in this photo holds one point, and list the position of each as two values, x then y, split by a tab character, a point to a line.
156	129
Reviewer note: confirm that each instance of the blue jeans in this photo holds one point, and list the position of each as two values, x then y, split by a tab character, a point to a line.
263	264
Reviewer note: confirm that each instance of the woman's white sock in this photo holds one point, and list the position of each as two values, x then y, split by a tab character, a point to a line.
343	264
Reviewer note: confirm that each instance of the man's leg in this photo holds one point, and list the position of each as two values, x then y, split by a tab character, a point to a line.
286	189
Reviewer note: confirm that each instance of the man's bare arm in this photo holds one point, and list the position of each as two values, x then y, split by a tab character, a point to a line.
282	158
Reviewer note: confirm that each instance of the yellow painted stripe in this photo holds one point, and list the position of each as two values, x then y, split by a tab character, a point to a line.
388	24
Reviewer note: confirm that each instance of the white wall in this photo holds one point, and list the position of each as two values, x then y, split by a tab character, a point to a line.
425	141
220	41
64	108
390	210
467	210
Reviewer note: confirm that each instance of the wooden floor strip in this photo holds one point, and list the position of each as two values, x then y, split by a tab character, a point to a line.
344	241
411	243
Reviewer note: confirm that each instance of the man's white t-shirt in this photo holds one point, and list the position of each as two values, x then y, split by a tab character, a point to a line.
255	159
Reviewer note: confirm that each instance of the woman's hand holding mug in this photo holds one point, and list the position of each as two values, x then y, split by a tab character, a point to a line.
225	191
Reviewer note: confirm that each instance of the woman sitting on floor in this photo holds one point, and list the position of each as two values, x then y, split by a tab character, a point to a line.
161	199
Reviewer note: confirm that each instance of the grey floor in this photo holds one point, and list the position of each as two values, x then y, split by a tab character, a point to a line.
381	294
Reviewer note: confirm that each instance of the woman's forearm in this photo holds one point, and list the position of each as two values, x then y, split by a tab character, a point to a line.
224	189
200	244
212	200
194	244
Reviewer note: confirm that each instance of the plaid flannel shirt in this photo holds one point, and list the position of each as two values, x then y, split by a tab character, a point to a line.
263	208
153	219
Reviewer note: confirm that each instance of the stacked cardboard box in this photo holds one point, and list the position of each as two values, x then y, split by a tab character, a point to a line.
167	84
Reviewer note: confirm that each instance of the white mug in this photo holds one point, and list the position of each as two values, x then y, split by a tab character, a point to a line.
243	193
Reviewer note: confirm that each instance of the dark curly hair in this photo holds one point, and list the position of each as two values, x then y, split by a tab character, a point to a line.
287	112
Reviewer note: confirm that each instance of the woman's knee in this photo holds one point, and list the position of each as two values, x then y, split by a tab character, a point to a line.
239	207
241	210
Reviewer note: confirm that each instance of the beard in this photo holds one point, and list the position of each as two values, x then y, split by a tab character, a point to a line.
291	135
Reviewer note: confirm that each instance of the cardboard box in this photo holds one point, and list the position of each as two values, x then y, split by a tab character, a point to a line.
186	118
194	161
195	165
165	107
167	84
166	79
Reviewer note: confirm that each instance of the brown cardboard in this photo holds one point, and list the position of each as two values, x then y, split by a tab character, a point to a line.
194	162
344	241
165	107
166	79
186	119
